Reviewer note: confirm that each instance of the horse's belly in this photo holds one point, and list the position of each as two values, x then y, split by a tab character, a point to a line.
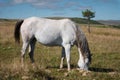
50	42
49	39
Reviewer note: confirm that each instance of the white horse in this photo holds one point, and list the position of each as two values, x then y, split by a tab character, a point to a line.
50	32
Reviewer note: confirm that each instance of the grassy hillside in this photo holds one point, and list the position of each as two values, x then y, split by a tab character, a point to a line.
84	21
78	20
110	22
104	44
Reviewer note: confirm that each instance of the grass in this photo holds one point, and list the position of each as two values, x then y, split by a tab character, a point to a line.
104	44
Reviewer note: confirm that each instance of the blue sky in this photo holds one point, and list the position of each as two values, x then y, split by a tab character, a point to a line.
18	9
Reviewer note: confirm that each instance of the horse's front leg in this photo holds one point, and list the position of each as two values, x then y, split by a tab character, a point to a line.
67	52
62	57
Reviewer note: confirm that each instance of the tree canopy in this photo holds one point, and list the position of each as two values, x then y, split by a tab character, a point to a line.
88	14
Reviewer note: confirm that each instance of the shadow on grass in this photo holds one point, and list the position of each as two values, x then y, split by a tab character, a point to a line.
42	75
101	69
64	67
94	69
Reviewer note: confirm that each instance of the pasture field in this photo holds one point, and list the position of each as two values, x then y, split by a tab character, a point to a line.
104	44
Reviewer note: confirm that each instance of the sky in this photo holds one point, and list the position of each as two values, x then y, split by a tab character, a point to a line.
20	9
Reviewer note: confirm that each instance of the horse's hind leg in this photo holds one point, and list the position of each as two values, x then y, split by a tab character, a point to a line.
24	47
62	57
31	49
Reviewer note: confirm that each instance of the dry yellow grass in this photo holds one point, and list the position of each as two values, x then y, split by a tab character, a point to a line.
104	44
104	40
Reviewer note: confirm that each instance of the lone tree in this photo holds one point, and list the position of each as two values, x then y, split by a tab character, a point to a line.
88	14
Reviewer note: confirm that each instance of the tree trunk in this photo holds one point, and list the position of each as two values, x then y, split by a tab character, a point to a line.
89	25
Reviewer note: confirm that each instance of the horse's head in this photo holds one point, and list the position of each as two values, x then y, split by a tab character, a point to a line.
84	51
85	56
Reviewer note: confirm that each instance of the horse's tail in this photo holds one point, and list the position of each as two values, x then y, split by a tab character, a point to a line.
17	31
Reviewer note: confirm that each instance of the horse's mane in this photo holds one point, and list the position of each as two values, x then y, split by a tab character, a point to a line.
83	43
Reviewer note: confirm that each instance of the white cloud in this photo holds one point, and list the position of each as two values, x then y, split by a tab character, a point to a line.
27	1
44	4
35	1
48	4
17	1
59	4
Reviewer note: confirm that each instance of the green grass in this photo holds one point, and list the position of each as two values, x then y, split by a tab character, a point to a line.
104	44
